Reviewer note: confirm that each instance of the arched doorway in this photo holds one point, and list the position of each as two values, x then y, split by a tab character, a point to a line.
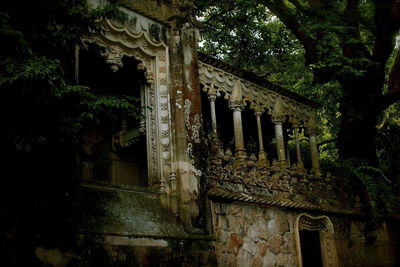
315	243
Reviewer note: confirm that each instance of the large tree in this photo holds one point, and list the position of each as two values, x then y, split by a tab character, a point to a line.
345	42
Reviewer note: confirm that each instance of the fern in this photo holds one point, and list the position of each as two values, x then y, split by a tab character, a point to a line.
382	193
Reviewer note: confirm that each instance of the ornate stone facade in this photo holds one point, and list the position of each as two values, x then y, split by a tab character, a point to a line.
235	208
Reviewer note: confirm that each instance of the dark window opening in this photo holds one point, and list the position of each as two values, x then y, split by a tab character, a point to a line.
310	248
114	150
250	131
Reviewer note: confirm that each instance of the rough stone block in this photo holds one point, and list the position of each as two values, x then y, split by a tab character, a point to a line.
234	243
275	244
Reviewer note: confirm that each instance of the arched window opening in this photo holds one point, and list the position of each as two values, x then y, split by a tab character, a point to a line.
114	149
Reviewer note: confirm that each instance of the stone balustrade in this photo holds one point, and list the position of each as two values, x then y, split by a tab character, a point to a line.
243	172
245	175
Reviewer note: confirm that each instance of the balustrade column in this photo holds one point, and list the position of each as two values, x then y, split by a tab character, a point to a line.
280	143
300	163
212	96
213	115
262	155
237	107
312	130
214	135
278	118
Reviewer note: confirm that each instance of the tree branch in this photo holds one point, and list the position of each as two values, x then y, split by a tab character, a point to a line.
353	49
219	14
280	9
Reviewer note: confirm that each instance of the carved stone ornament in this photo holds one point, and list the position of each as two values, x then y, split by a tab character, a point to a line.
278	112
113	58
237	105
258	108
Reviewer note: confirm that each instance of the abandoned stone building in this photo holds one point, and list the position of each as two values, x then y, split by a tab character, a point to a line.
215	172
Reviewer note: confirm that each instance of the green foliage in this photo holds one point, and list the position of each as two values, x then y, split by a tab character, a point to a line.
248	36
388	143
43	103
382	194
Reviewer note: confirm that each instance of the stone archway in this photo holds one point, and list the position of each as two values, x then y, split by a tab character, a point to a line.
133	38
324	227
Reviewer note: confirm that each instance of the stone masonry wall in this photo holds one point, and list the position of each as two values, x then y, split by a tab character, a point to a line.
253	236
250	235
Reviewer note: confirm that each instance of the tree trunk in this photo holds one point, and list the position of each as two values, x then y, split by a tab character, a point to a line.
359	115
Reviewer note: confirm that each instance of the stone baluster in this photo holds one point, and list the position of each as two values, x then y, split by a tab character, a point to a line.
237	106
296	126
312	130
212	96
262	155
278	118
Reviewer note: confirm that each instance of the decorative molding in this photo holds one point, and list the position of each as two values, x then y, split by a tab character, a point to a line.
164	106
237	105
196	127
163	81
165	134
165	119
221	194
223	82
186	109
166	147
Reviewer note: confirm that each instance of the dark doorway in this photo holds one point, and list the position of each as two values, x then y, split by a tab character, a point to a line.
310	248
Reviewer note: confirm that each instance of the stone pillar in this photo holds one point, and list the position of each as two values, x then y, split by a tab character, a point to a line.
262	155
312	130
213	115
300	163
280	144
237	107
212	96
278	118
